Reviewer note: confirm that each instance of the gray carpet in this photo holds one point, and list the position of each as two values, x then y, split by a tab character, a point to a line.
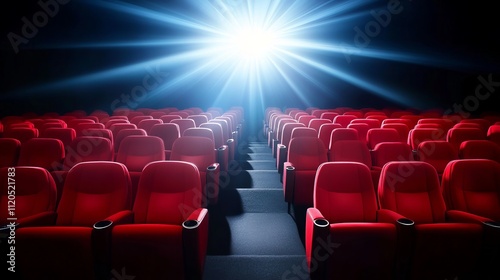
251	234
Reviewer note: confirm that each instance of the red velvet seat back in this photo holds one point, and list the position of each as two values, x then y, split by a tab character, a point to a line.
35	192
10	148
168	192
42	152
351	150
196	150
137	151
412	189
92	192
473	186
343	192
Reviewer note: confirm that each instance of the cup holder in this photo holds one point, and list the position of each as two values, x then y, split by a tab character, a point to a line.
321	223
211	168
406	222
492	224
103	224
290	168
190	224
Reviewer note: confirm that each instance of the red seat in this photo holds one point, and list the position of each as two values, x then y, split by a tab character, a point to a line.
406	122
346	214
81	127
116	128
482	123
136	151
317	123
137	119
66	135
72	240
479	149
354	151
200	152
124	133
279	134
148	124
10	148
444	246
391	151
494	134
109	123
473	186
305	154
184	124
341	134
22	134
344	120
282	148
325	132
99	132
357	114
305	119
329	116
362	129
401	128
458	135
228	137
436	153
35	196
168	132
381	135
198	119
419	135
75	122
169	237
46	153
169	118
373	123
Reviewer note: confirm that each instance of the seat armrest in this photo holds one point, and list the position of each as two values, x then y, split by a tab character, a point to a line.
231	148
388	216
212	183
465	217
223	157
101	236
317	233
122	217
195	242
405	230
47	218
288	181
281	157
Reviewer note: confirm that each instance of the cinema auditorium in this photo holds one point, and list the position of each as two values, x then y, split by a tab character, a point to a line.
249	139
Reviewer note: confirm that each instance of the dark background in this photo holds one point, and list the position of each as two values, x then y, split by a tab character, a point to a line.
461	38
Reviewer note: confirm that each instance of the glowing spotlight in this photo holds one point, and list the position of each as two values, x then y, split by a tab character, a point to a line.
253	43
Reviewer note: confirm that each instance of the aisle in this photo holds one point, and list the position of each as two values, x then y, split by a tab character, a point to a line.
251	234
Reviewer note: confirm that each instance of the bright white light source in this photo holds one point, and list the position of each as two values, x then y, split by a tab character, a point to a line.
253	43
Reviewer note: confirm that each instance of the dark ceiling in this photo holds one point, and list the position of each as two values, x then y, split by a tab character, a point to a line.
463	36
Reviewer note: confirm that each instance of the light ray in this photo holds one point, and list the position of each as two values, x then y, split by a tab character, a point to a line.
251	48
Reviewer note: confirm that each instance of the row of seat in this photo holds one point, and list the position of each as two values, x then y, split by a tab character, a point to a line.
416	229
98	229
373	131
